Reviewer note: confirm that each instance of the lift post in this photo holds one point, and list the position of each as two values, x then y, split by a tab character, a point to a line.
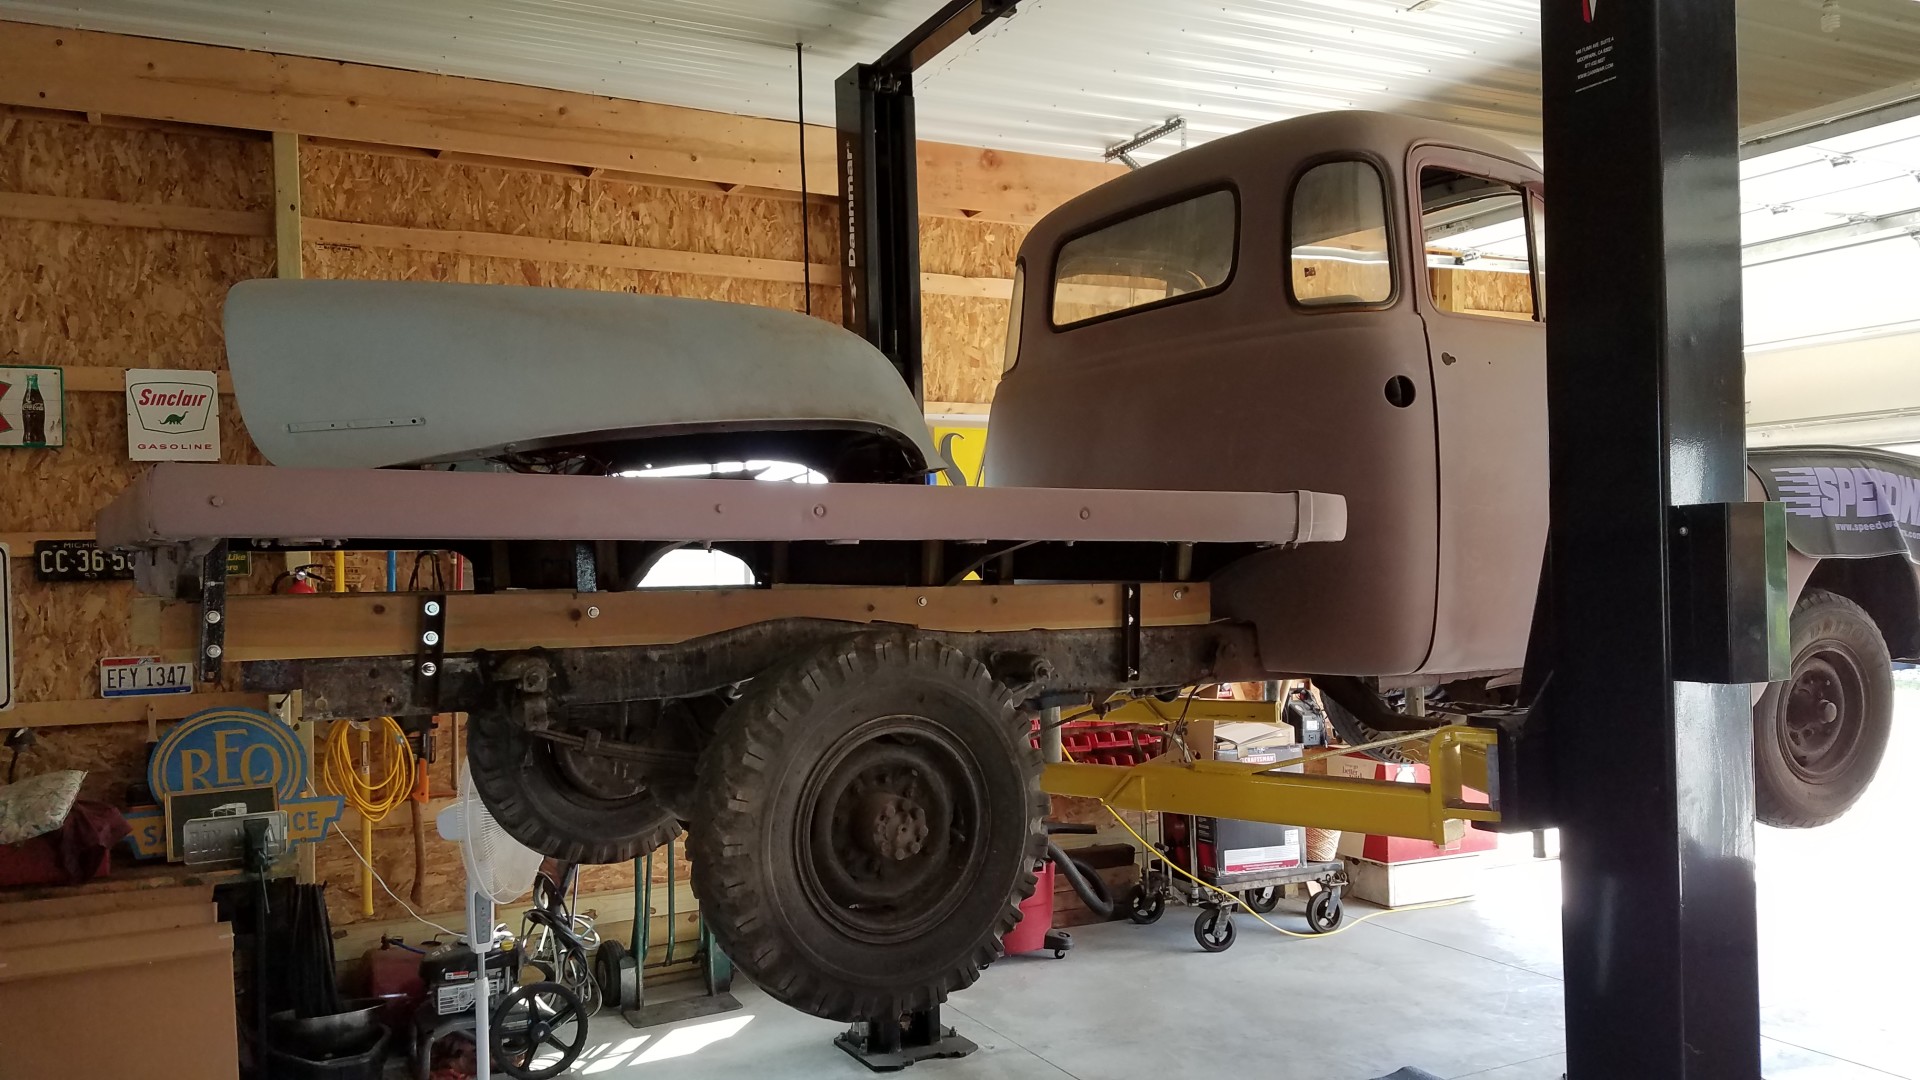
880	208
1652	776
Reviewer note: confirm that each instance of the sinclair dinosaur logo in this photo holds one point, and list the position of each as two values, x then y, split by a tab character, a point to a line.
173	416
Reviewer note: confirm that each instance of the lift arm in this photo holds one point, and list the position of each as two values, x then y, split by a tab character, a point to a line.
880	210
1435	811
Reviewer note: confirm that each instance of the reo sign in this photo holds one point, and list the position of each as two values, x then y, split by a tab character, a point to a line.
231	748
173	415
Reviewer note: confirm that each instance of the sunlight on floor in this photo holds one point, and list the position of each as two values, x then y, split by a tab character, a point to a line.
645	1049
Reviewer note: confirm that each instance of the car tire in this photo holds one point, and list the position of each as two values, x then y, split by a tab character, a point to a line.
866	823
1818	737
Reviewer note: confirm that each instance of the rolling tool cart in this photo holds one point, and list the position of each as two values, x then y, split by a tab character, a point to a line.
1253	861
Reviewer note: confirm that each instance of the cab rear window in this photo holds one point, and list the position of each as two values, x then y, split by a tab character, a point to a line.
1338	228
1171	253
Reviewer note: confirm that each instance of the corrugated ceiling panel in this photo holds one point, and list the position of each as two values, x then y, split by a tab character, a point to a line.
1065	77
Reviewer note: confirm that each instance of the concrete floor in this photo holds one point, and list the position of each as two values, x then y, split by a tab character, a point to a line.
1471	990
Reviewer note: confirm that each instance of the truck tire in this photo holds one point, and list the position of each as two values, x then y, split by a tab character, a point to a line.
866	824
1819	736
560	802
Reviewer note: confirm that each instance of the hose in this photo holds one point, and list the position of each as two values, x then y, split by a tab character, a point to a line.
372	797
1087	883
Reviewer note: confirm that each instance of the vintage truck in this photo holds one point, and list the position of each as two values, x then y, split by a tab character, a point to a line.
1272	407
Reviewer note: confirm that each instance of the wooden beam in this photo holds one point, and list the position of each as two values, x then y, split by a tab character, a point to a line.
20	544
84	711
286	627
87	379
286	204
620	256
681	183
506	246
75	211
290	230
130	123
199	84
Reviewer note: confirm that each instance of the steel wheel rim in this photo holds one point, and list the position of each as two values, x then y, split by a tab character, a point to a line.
1818	713
541	1023
891	831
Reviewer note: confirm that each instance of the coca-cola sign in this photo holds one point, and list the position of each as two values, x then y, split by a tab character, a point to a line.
31	407
173	415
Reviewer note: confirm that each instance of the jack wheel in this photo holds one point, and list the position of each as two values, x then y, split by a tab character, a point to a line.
1144	907
1324	911
1214	929
1262	900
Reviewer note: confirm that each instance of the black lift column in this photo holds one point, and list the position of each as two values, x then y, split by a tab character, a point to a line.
1653	775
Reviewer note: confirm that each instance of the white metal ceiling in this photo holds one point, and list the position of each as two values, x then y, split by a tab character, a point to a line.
1064	77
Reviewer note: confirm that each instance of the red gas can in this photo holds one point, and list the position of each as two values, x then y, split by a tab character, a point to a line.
1036	916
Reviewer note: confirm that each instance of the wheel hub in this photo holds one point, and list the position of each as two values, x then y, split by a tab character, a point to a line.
1818	737
896	826
889	832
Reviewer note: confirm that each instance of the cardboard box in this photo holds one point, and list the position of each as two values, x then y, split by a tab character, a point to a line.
162	972
1425	881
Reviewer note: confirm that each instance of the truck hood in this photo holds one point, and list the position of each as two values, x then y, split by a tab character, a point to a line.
366	374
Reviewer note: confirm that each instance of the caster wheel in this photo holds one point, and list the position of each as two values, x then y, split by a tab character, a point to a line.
1324	911
1262	900
1144	907
1214	930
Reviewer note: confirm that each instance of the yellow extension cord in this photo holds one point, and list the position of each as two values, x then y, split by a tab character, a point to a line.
373	798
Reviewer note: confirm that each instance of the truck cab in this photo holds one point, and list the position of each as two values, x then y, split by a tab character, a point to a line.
1341	302
1354	302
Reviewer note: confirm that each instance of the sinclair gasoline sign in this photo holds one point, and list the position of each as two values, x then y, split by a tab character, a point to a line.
173	415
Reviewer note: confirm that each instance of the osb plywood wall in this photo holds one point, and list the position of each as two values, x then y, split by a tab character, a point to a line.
108	297
116	297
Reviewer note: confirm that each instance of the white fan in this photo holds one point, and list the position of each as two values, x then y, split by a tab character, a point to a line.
500	870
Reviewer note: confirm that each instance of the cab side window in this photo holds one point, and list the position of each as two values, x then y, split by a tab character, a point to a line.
1337	231
1157	257
1477	244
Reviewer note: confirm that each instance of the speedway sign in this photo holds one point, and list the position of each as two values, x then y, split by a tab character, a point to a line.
173	415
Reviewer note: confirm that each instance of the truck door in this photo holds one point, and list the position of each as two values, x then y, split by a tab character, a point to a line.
1479	296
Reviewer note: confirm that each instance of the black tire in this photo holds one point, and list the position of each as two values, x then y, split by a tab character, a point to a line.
1818	738
1355	731
818	846
529	789
1262	900
1324	911
537	1031
617	974
1214	930
1144	907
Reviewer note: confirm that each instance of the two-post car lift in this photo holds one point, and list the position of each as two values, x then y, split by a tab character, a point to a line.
1648	772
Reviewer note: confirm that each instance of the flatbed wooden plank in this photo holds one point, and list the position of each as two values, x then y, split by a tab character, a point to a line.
385	624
